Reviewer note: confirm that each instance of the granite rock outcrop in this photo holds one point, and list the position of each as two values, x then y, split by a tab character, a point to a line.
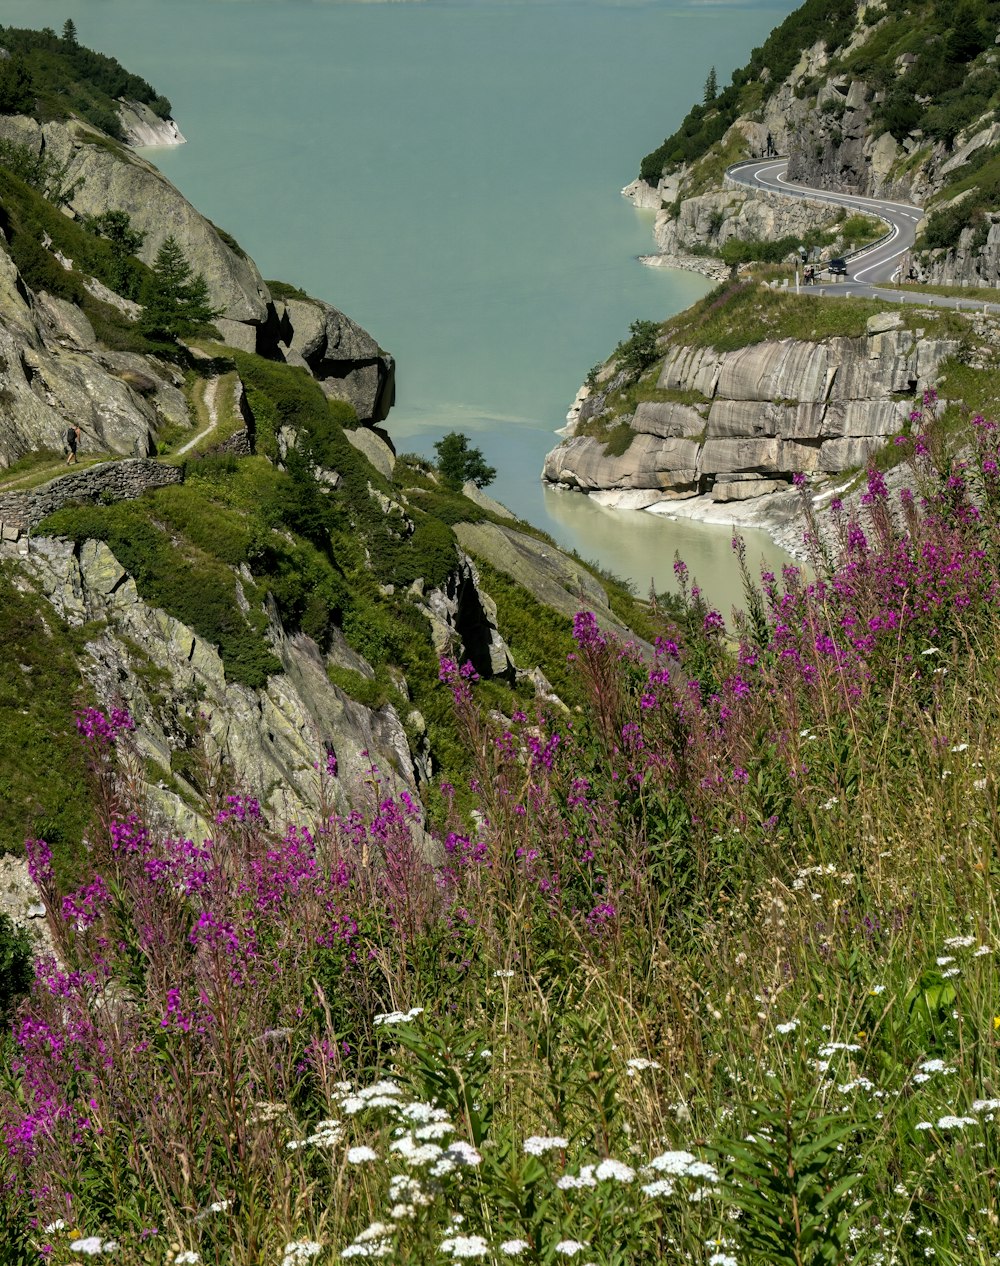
756	416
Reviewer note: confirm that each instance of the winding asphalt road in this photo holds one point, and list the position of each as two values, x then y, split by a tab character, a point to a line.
875	263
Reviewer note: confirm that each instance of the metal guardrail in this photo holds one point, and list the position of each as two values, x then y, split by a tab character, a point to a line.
805	195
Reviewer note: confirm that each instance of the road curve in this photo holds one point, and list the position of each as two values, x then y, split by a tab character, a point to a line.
872	264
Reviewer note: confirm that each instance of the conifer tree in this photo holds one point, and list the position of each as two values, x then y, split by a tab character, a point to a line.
176	302
69	33
711	86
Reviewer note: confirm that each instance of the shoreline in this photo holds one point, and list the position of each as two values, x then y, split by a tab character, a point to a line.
777	514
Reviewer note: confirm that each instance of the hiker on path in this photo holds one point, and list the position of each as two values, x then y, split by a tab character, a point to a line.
771	151
72	440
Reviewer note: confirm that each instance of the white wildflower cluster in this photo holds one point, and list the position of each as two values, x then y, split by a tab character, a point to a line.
788	1027
326	1134
722	1259
465	1246
959	942
361	1155
383	1094
569	1248
805	873
539	1144
682	1165
396	1017
640	1065
500	974
93	1246
407	1194
374	1241
188	1258
298	1251
514	1248
831	1048
265	1112
590	1175
948	1123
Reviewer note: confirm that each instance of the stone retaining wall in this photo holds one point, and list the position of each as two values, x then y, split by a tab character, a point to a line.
110	481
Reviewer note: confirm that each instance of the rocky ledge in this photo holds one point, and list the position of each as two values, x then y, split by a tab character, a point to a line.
737	425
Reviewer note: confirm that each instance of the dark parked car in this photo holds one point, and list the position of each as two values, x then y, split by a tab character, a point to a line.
837	268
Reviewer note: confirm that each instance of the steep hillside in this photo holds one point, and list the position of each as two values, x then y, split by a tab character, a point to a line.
890	99
238	559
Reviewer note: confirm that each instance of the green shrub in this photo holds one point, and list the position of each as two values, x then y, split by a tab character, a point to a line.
187	582
16	967
43	784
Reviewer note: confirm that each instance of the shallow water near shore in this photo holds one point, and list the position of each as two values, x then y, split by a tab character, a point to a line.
447	172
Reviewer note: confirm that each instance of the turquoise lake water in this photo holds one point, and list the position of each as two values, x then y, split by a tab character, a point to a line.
448	172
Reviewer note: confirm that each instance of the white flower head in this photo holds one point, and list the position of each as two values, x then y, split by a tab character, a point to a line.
579	1182
360	1155
661	1187
462	1153
465	1246
538	1145
614	1171
790	1027
397	1017
514	1248
297	1251
188	1258
93	1246
569	1248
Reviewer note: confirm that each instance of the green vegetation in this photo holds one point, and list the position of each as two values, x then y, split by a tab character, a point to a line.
125	273
285	290
16	968
738	314
43	781
53	78
708	975
27	217
972	195
982	294
175	299
535	634
458	463
183	577
40	171
707	122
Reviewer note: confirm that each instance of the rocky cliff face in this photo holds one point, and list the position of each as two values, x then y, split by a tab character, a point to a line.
713	219
746	421
266	741
52	374
109	177
141	127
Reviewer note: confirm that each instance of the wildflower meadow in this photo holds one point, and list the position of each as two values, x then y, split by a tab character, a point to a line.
709	975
